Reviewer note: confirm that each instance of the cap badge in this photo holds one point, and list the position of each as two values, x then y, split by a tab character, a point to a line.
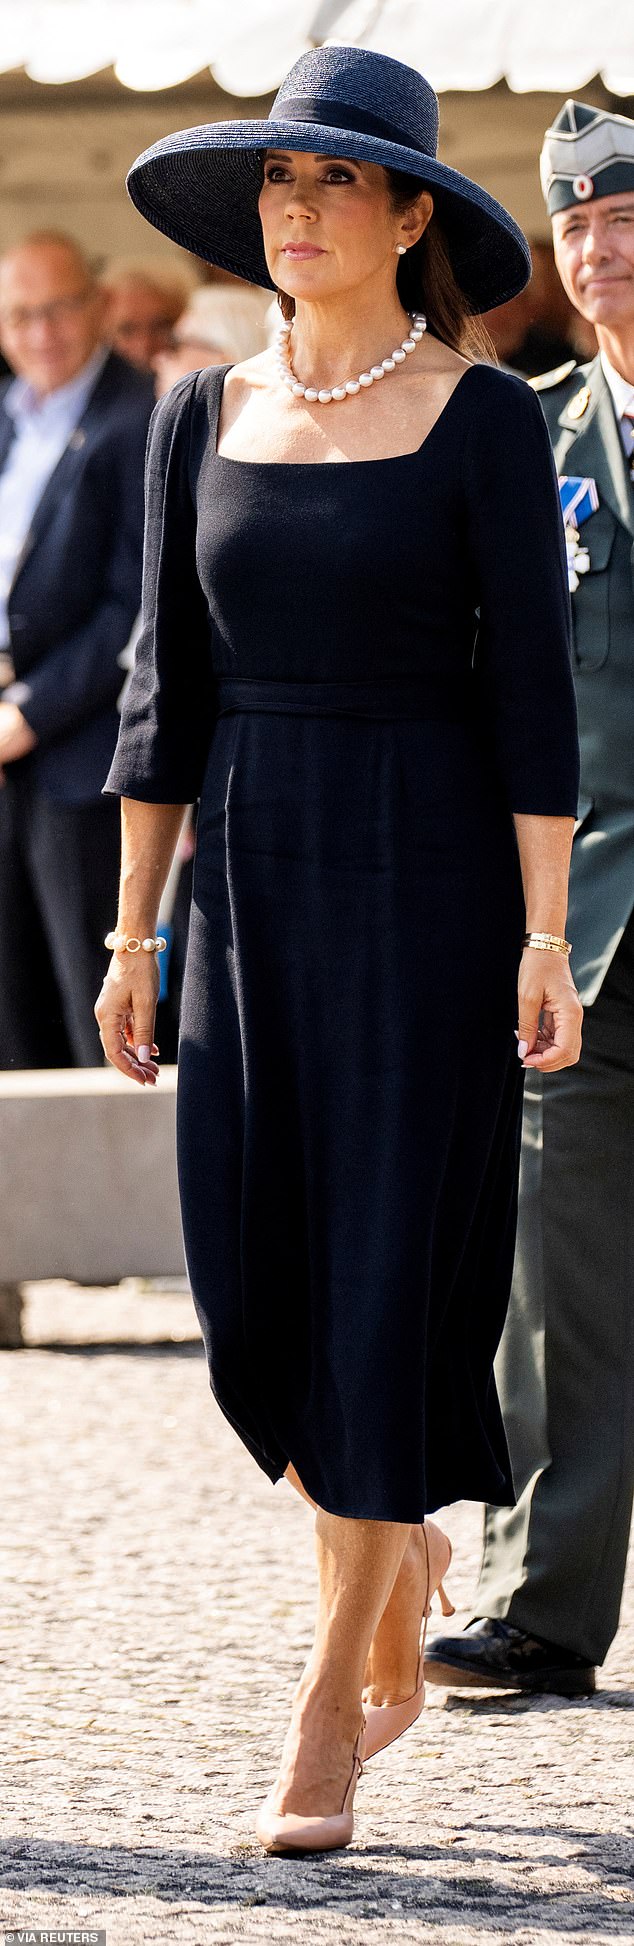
580	403
583	188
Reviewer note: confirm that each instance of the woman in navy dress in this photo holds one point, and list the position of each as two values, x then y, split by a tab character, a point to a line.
355	652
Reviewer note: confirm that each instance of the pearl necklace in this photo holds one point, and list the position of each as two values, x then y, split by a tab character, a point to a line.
311	393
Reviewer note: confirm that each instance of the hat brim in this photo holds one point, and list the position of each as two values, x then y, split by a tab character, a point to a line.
200	187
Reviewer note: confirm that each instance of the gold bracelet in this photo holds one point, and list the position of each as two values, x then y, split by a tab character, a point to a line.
120	942
547	942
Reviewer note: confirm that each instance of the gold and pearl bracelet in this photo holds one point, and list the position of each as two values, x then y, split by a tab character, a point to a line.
547	942
120	942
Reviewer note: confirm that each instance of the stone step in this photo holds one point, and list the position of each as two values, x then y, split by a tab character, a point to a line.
87	1177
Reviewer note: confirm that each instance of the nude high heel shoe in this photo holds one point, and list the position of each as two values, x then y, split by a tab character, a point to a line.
288	1831
384	1722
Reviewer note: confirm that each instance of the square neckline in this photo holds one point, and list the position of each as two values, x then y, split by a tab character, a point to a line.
285	465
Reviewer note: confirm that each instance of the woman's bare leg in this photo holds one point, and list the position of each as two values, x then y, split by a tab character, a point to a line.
357	1563
295	1482
392	1662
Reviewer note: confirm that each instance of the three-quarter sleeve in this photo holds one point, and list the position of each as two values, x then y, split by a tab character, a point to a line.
518	558
168	712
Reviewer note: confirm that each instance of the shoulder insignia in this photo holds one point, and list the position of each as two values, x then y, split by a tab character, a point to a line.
545	379
577	406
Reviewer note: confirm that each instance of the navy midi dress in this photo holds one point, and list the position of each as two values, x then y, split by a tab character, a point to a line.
361	669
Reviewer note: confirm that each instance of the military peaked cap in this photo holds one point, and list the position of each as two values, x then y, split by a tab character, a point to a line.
587	153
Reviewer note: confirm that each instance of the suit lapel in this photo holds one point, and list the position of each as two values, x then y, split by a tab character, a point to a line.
7	431
591	446
67	465
60	478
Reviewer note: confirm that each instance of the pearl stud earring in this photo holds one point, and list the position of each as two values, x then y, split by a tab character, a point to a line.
401	249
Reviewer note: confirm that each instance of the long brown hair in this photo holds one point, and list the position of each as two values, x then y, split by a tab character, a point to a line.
425	281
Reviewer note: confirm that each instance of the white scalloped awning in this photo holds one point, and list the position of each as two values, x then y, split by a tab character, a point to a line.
249	44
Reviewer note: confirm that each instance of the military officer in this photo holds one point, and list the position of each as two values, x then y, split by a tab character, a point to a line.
547	1603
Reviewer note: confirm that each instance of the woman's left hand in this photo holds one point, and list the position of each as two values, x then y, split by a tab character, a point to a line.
546	987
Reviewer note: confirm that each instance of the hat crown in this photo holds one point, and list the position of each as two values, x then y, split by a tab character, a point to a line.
355	78
574	117
588	152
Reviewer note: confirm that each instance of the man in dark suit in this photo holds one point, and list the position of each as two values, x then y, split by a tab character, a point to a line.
548	1600
73	426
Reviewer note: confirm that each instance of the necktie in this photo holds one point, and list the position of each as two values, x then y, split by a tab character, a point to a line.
627	436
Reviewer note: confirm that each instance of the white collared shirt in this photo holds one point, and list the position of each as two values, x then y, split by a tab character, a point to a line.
43	427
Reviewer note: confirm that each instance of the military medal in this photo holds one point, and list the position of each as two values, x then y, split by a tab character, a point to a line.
579	498
577	557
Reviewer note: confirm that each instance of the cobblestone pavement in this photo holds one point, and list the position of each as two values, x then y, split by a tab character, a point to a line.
157	1605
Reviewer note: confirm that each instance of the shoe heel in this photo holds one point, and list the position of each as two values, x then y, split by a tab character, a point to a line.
446	1605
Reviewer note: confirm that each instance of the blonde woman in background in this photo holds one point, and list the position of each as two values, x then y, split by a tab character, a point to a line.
220	325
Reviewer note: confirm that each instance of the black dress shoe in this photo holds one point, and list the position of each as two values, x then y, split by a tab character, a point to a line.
492	1655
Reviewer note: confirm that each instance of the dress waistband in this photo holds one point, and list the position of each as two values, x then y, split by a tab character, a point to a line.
436	698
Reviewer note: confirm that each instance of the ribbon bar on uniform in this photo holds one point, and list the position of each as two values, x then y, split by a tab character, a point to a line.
579	498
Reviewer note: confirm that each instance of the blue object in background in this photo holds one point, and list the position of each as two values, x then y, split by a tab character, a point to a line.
164	960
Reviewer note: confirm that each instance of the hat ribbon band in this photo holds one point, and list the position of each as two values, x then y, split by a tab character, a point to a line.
339	115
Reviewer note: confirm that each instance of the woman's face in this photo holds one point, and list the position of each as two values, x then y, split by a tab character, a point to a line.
328	223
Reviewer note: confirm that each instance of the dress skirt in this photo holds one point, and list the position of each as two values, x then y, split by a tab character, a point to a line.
350	1099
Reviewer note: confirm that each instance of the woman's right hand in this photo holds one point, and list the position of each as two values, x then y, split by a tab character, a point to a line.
550	1012
125	1012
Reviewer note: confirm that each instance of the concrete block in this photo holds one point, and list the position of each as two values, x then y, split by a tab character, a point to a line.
88	1177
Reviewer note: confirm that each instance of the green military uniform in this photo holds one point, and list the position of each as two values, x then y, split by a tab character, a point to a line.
554	1564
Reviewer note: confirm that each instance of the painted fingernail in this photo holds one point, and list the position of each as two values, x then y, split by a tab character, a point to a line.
143	1055
522	1049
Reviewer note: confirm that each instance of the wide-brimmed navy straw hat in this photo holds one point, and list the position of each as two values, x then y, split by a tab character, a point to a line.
200	186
